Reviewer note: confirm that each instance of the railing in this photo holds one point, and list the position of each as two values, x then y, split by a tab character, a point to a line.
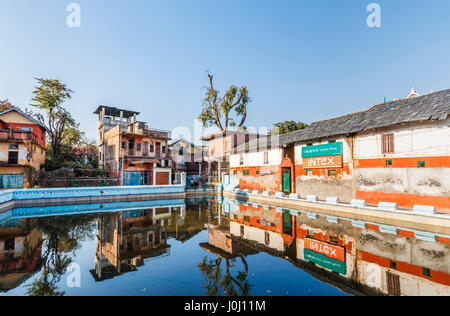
59	193
9	134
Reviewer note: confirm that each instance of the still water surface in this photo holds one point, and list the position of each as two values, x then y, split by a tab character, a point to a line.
209	247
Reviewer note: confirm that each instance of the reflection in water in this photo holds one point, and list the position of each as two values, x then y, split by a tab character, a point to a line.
364	259
224	243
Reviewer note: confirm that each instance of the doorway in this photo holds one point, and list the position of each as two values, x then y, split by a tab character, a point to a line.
287	180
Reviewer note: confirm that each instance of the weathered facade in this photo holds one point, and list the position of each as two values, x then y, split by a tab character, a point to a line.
190	159
394	152
368	259
220	146
22	148
131	150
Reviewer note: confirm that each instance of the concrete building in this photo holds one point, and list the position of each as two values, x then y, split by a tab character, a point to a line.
20	252
190	159
220	146
365	259
131	150
126	239
22	148
393	152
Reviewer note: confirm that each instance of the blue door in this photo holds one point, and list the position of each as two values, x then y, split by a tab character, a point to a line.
12	181
131	178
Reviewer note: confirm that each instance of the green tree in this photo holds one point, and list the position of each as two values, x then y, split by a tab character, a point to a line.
287	127
49	96
218	110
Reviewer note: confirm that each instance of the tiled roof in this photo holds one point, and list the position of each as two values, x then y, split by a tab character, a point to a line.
430	107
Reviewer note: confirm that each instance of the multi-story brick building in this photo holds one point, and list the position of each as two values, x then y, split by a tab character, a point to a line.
130	149
22	148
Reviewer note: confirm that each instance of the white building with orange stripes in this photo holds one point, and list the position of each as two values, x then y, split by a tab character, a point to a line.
393	152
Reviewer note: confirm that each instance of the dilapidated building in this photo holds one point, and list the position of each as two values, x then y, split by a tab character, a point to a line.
131	150
22	149
393	152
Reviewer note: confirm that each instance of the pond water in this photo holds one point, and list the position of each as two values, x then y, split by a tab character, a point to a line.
200	247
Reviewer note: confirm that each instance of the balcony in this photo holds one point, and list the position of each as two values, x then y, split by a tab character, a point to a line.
130	153
16	135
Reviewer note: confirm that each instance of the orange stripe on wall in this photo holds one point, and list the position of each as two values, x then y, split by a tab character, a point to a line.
405	200
410	162
436	276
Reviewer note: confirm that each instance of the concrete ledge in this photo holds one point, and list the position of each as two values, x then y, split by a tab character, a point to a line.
424	210
255	192
279	194
266	193
388	229
332	200
332	219
359	215
358	203
312	198
294	196
387	206
425	236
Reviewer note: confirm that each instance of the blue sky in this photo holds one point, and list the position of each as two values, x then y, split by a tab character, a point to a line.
301	60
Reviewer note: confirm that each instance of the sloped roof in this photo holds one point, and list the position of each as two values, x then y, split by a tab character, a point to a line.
24	114
430	107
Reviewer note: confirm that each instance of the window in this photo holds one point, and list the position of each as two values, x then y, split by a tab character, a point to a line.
247	219
246	172
30	129
13	147
387	143
13	157
145	148
393	284
138	147
152	148
426	272
242	231
267	238
124	145
389	163
150	238
332	173
9	244
309	173
266	157
163	149
241	159
310	144
393	265
422	164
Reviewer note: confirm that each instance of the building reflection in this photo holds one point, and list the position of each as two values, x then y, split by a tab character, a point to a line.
127	240
20	252
364	259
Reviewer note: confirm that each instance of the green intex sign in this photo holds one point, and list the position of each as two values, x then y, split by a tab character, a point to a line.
332	149
325	262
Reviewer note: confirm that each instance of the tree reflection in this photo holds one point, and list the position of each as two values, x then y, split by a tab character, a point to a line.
215	280
63	235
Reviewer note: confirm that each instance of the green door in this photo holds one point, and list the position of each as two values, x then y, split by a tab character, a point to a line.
287	181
